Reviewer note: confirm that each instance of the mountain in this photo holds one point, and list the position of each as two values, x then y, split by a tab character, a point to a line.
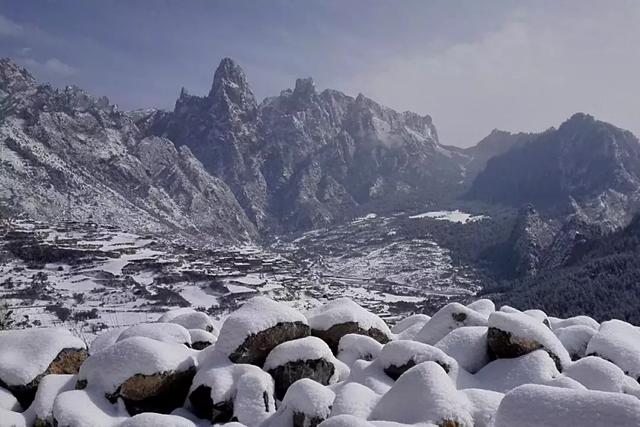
69	156
585	165
601	279
496	143
304	159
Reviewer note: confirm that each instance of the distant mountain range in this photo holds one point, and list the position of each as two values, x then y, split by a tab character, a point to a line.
225	166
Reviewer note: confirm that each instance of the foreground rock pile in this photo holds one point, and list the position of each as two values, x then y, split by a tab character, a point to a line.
335	366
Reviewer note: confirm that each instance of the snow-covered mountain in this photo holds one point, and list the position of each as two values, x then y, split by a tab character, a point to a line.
305	158
66	155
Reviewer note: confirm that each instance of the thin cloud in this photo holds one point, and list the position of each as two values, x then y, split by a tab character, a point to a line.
10	28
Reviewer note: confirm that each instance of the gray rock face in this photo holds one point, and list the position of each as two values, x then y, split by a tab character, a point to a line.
304	159
530	239
69	156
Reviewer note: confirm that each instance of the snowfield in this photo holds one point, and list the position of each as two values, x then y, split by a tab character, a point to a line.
451	216
270	365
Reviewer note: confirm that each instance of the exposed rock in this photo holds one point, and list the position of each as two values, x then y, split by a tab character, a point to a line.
333	335
318	370
256	347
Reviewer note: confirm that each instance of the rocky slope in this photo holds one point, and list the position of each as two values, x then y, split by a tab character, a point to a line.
585	165
304	159
67	155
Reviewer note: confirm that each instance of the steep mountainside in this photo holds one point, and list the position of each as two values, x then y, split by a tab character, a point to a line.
585	165
601	279
304	159
67	155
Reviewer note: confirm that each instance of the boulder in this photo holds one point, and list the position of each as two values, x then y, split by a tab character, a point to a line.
27	355
306	404
165	332
252	331
41	410
575	339
201	339
516	334
337	318
618	342
468	346
451	316
354	347
308	357
397	357
81	408
148	375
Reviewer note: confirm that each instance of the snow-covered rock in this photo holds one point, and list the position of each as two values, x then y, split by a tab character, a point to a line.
81	408
483	306
424	394
201	339
308	357
252	331
8	401
468	346
410	321
599	374
10	418
222	390
516	334
354	399
342	316
535	405
149	375
485	404
41	410
306	404
150	419
195	320
353	347
27	355
557	323
575	339
165	332
618	342
397	357
452	316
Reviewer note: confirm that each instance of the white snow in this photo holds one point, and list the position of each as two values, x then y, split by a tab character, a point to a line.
12	419
424	394
354	399
195	320
468	346
448	318
575	339
109	368
354	346
485	405
523	326
8	401
399	353
451	216
535	405
257	314
165	332
49	388
618	342
81	408
106	339
571	321
599	374
483	306
27	353
150	419
344	310
200	335
308	397
410	321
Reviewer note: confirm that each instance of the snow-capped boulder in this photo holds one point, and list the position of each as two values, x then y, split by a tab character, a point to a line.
10	418
222	391
448	318
41	410
306	404
618	342
596	373
354	347
503	375
149	375
485	404
535	405
410	321
557	323
201	339
252	331
27	355
106	339
342	316
150	419
370	375
165	332
354	399
424	394
516	334
8	401
195	320
397	357
483	306
81	408
308	357
468	346
575	339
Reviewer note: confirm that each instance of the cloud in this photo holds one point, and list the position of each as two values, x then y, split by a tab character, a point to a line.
533	72
52	67
9	28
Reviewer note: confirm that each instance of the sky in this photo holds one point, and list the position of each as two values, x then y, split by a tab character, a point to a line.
472	65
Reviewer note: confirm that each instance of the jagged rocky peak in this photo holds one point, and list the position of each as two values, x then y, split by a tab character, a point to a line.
305	87
14	78
230	83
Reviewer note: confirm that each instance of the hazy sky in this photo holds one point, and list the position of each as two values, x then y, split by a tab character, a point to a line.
472	65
